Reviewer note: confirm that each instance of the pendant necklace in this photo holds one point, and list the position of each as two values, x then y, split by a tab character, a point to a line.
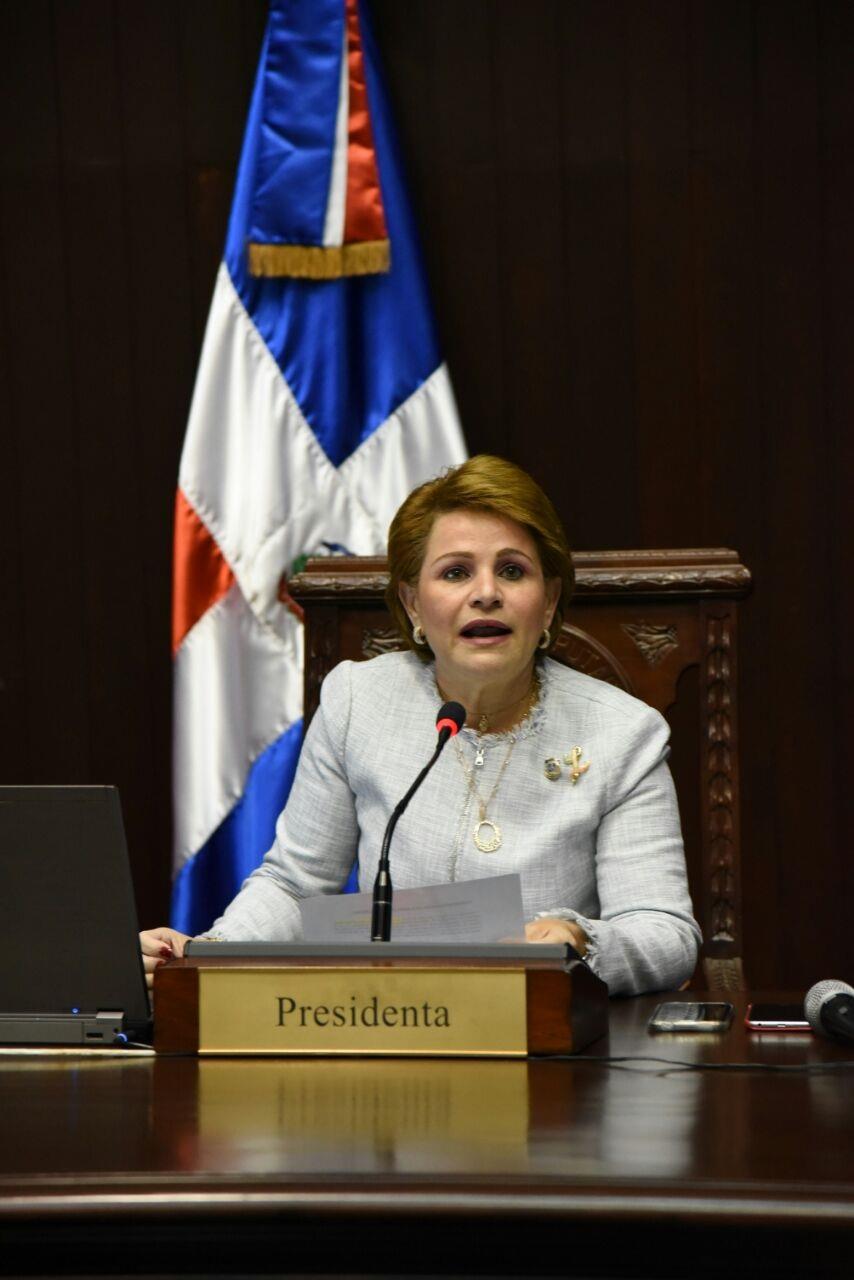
487	833
486	718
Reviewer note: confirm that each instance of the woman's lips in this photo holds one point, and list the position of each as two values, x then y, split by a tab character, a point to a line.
485	633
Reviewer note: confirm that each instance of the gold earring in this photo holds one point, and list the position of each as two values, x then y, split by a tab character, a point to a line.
418	634
545	639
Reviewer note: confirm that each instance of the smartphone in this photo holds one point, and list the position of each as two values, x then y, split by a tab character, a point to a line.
677	1015
776	1017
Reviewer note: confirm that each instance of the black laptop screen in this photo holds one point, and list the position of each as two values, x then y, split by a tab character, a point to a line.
68	927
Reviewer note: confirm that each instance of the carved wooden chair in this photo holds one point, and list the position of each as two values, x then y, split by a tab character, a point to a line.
661	625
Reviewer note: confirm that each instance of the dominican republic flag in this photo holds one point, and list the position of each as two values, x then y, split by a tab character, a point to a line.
321	400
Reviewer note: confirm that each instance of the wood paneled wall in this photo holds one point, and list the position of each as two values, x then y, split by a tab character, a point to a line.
637	219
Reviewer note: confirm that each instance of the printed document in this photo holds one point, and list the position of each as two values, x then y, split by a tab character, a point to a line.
470	911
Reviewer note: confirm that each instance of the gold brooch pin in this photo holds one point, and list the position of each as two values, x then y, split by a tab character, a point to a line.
552	769
576	768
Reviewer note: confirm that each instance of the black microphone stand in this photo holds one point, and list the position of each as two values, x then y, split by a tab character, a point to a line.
383	891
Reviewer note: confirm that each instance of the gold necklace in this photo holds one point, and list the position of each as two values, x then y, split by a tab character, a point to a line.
486	843
531	698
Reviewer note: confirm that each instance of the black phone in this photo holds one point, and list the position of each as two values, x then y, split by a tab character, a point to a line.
677	1015
776	1017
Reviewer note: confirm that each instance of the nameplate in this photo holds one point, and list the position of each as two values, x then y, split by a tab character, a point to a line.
370	1010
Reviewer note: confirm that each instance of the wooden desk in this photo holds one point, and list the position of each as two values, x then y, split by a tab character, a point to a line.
180	1165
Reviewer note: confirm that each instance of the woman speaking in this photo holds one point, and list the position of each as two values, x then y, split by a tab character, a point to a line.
557	776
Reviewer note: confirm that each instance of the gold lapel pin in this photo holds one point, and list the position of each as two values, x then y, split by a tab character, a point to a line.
576	768
552	769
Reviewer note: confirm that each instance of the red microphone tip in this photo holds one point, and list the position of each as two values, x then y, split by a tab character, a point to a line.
452	716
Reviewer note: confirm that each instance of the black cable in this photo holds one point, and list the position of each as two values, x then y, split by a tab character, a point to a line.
679	1064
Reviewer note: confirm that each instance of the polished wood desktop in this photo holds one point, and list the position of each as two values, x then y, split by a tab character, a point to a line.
180	1165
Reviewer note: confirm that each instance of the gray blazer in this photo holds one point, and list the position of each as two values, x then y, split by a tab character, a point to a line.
606	851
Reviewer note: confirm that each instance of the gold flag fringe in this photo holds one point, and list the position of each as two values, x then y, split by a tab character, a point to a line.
320	262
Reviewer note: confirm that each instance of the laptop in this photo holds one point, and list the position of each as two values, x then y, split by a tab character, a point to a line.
71	972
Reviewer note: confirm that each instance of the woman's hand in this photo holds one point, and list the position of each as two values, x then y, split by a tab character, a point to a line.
158	946
551	929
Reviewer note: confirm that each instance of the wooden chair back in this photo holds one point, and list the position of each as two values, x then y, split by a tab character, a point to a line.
660	624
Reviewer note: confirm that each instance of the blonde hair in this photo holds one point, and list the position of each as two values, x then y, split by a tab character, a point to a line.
484	483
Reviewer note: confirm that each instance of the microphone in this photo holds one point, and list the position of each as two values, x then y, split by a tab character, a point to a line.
449	721
829	1009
